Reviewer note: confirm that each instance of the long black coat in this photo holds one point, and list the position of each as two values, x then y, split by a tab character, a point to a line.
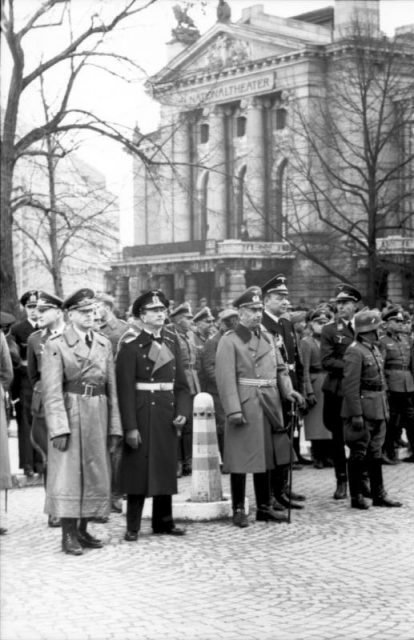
335	339
151	469
288	347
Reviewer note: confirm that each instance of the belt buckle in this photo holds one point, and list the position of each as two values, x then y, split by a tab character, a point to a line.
163	386
88	391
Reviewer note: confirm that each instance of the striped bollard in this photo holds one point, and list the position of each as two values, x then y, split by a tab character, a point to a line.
206	476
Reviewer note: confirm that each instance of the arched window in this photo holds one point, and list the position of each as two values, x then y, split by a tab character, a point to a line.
201	223
277	220
239	213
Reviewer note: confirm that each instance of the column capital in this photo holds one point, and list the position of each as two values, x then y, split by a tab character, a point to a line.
251	103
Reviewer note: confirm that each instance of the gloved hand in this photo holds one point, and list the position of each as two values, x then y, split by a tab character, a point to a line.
133	438
114	442
61	442
236	419
179	422
357	423
311	400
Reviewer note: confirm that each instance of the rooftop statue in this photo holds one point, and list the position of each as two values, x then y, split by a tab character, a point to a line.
186	30
223	12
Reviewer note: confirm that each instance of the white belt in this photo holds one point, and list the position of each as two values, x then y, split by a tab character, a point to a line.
256	382
154	386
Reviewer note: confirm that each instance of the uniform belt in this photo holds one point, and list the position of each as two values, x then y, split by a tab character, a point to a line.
256	382
154	386
372	387
396	367
85	389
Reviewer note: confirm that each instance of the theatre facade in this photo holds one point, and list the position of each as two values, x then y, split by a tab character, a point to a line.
211	207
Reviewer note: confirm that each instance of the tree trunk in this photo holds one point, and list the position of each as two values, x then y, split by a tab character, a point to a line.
55	261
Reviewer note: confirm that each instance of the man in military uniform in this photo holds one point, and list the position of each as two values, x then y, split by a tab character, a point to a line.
397	353
51	323
204	328
21	389
335	339
365	410
255	439
275	298
113	328
155	403
81	409
181	322
228	320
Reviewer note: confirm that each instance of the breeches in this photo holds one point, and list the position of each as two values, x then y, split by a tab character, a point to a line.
366	443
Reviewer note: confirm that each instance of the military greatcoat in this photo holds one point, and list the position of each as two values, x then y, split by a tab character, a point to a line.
258	445
78	482
151	469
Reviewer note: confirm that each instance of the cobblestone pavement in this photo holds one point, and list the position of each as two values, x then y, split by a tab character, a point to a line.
333	573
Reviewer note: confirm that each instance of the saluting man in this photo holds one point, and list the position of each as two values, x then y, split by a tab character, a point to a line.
365	409
335	339
51	323
254	439
79	394
155	403
398	357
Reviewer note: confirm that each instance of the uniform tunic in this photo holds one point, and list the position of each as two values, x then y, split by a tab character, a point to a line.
364	395
6	377
78	483
151	469
256	446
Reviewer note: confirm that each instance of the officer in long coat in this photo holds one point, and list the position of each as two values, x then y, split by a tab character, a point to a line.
21	389
365	409
81	409
254	439
155	402
51	323
398	357
181	323
335	339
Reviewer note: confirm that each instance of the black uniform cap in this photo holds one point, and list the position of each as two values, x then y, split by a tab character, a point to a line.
30	297
277	284
80	299
392	314
47	300
203	314
182	309
345	292
153	299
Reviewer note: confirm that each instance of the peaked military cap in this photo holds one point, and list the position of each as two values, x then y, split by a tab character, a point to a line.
252	297
277	284
345	292
367	320
153	299
47	300
106	298
203	314
319	314
30	297
228	313
80	299
6	319
392	313
182	309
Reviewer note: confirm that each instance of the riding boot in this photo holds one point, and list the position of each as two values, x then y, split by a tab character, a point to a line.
187	446
379	495
355	471
70	542
341	487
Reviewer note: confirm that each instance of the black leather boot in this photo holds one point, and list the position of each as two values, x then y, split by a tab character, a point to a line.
70	542
359	502
341	490
266	513
379	495
85	538
355	479
240	518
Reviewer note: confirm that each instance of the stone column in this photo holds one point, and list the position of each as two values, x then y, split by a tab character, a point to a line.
255	214
236	284
181	179
122	293
395	287
179	287
217	183
134	287
191	290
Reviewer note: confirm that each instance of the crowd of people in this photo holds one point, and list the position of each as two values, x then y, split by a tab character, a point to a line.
104	405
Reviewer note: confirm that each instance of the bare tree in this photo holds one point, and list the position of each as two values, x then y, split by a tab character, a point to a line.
82	47
351	159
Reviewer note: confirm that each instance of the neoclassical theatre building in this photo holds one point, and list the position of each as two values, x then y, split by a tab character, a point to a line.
211	209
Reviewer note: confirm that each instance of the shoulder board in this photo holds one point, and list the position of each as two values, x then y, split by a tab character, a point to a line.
227	333
129	338
56	336
354	343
